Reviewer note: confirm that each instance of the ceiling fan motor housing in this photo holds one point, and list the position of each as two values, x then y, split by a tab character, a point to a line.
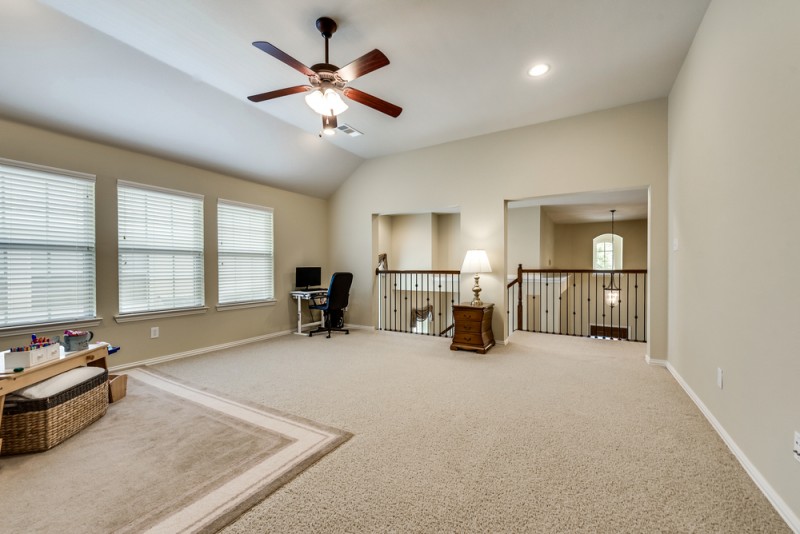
326	78
326	26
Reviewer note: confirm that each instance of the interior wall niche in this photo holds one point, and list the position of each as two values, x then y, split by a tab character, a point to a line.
420	241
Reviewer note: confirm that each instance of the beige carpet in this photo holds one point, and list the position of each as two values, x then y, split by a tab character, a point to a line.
547	434
167	458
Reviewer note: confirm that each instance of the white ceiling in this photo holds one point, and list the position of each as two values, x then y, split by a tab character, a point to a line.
172	77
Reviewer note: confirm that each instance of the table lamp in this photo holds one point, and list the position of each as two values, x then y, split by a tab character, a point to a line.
476	261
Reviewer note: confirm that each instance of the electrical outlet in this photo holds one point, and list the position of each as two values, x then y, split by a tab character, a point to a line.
153	332
719	377
796	449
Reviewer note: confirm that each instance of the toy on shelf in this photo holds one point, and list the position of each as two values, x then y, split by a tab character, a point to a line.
77	339
40	350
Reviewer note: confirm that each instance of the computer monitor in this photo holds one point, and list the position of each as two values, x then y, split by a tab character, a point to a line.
306	277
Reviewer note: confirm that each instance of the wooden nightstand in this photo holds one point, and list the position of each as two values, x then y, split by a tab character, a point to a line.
473	327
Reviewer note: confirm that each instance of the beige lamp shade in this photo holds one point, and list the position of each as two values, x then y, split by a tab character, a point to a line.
476	261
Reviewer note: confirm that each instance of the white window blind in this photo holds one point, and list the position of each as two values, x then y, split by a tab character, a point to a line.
245	253
160	249
47	248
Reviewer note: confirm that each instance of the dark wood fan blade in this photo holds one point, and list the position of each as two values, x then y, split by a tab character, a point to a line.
372	101
279	92
283	56
363	65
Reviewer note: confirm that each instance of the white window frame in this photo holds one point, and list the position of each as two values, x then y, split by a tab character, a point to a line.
160	252
47	248
606	240
245	255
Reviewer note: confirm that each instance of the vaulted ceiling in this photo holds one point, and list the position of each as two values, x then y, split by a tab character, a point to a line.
171	77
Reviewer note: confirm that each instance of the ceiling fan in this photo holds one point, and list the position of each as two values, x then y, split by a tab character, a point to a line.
329	82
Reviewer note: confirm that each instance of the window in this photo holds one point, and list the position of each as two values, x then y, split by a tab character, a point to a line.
47	249
160	249
604	248
245	253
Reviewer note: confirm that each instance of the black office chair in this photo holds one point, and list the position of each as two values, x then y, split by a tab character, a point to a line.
333	305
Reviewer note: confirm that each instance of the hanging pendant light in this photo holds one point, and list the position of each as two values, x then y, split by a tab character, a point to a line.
612	292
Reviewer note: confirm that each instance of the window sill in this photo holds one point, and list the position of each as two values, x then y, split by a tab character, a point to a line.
244	305
46	327
144	316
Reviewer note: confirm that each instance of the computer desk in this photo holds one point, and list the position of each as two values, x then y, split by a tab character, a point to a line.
300	296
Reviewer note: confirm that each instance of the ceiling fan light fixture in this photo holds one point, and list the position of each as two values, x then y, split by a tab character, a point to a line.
539	70
328	103
329	124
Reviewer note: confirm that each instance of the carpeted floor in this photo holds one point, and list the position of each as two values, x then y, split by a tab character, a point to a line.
546	434
167	458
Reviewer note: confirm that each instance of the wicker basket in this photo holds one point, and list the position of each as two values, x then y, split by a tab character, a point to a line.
35	425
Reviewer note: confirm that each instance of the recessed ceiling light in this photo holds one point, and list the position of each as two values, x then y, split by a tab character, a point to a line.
539	70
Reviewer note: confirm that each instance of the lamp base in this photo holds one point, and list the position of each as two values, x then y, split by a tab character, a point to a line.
476	290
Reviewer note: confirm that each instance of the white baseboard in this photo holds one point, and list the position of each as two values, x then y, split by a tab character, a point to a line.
195	352
654	361
779	504
204	350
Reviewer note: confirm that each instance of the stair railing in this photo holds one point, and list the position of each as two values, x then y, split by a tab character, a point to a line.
572	302
417	301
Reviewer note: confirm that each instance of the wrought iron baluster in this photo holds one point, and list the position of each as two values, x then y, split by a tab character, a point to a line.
428	306
628	305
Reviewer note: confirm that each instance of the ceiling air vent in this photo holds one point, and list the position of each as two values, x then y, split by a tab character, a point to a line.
349	130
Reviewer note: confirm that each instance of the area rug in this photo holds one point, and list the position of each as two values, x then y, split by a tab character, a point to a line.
169	457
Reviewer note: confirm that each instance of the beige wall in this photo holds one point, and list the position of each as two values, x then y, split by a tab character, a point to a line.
298	241
573	244
412	242
547	240
383	236
523	238
734	179
619	148
448	242
612	149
